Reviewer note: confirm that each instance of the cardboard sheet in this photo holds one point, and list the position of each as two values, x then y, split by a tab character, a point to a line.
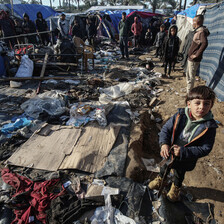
92	149
47	148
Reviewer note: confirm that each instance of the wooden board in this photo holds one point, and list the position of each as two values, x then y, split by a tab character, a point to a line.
90	152
47	148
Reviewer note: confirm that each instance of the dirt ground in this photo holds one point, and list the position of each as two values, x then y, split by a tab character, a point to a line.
205	182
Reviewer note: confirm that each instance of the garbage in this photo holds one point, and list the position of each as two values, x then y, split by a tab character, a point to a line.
118	90
25	68
19	123
33	107
14	84
81	114
150	165
133	115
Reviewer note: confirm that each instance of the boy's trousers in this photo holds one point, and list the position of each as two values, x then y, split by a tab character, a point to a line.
124	46
190	74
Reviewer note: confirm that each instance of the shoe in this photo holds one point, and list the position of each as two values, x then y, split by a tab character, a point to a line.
122	58
174	193
162	65
168	76
128	59
156	183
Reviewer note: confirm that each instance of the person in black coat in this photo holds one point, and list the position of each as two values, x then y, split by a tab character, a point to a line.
170	49
29	27
41	26
76	30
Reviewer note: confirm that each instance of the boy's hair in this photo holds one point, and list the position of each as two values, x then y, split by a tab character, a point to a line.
200	19
124	13
162	26
201	92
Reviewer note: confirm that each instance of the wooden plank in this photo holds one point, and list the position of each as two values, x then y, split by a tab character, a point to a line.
57	63
90	152
44	64
47	149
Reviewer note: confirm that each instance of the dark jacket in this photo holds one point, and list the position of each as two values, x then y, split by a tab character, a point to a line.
123	27
41	23
159	39
90	30
201	143
170	46
199	44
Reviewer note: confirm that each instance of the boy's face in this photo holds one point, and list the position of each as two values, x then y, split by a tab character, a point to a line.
173	32
199	108
161	29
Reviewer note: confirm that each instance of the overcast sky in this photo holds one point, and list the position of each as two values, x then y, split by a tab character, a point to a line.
56	2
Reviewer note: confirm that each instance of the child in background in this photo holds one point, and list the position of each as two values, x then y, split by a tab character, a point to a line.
191	133
148	37
160	36
170	49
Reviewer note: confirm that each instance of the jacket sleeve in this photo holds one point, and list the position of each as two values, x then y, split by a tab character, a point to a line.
204	44
165	135
204	147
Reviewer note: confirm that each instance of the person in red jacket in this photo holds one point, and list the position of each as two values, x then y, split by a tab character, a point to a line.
136	29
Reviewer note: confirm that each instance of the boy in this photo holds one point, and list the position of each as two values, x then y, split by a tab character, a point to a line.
148	37
170	49
191	133
159	40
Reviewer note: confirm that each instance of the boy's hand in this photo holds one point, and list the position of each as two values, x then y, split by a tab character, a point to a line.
165	151
176	150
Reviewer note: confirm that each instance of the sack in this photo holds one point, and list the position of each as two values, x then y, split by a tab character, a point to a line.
25	68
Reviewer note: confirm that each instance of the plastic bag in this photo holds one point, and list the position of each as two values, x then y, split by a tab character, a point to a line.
19	123
35	106
118	90
25	68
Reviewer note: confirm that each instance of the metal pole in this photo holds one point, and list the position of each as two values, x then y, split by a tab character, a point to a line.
11	2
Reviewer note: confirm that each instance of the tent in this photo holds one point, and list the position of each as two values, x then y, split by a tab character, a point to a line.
212	65
31	10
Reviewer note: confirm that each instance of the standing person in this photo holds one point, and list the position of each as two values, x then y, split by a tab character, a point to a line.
76	30
63	27
41	25
170	49
7	28
90	31
196	50
123	36
136	29
188	136
18	31
148	37
29	27
159	40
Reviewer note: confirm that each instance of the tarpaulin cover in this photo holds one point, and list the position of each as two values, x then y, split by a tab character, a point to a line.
190	12
212	65
32	9
144	14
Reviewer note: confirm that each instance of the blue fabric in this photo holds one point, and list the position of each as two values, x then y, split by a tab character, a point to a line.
190	12
199	148
32	9
212	65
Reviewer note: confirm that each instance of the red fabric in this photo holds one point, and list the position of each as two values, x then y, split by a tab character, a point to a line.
144	14
37	194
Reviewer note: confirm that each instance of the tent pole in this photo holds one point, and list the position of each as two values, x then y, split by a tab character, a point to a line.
11	2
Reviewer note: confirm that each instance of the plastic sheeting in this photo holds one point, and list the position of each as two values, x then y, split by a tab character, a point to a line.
212	65
32	9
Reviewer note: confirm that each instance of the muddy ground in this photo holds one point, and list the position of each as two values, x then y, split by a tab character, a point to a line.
205	182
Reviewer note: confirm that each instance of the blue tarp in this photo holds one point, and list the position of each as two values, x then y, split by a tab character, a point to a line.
32	9
212	65
190	12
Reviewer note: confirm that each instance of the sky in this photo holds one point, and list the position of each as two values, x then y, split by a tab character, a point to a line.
56	2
